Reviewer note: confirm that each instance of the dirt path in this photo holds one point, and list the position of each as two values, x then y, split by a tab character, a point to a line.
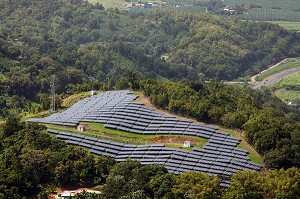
253	78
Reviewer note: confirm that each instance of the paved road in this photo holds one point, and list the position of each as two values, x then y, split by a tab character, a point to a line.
276	78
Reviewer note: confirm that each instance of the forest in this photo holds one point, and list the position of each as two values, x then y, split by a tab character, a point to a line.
33	163
165	54
84	43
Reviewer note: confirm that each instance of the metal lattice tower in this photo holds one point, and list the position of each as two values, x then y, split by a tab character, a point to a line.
52	93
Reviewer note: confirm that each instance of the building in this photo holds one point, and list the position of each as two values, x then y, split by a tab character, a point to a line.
81	127
93	92
187	143
71	193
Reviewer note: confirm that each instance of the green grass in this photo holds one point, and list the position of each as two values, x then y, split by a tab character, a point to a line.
36	115
98	130
288	25
288	89
255	158
69	101
109	3
286	65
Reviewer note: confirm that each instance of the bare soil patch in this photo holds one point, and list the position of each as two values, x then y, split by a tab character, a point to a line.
172	140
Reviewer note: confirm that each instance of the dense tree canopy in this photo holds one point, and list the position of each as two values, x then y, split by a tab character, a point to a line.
29	157
84	43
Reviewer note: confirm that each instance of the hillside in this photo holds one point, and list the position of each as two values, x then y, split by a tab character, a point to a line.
80	42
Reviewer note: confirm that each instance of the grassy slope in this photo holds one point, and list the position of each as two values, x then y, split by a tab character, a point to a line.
69	101
288	89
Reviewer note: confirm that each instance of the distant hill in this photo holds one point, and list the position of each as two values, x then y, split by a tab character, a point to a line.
81	42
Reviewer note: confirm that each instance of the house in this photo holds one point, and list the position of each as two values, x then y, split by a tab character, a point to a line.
81	127
93	92
71	193
164	57
187	143
129	5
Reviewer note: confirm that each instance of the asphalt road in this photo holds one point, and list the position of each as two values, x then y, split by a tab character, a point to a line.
276	78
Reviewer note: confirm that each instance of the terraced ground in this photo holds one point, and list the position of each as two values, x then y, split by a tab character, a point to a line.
117	110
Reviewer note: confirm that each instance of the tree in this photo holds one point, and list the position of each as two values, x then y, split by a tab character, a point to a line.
13	124
196	185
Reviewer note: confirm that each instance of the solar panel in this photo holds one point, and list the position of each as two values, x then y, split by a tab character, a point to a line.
62	137
52	131
73	142
117	110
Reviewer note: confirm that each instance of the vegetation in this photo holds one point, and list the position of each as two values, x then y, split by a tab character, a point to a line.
98	130
130	179
288	89
287	64
269	125
69	101
294	26
29	158
264	10
88	47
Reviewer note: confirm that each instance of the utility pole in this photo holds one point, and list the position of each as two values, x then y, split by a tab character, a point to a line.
52	93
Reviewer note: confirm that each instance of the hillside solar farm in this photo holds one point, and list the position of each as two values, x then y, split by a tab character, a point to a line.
118	110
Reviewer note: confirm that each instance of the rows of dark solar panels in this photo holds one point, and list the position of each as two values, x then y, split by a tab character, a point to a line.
117	110
222	160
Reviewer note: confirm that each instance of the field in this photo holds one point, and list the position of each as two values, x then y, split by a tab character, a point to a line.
294	26
286	65
109	3
288	89
272	4
268	10
265	14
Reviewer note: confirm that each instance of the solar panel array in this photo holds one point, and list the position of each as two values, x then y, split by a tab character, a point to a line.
220	161
118	110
